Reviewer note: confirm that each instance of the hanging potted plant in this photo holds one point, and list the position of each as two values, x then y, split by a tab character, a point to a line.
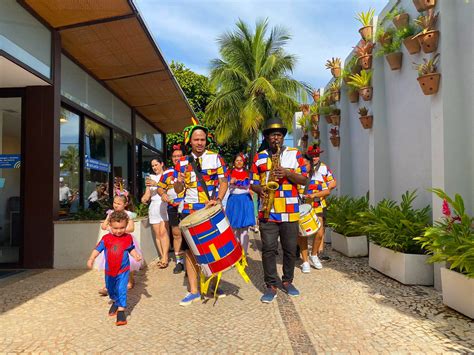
335	89
392	53
423	5
407	35
429	36
316	95
365	18
314	113
428	77
325	111
334	65
451	241
352	94
365	119
399	17
362	82
335	116
348	68
335	139
364	52
384	36
305	109
315	132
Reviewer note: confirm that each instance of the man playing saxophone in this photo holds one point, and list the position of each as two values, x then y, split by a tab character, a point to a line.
276	174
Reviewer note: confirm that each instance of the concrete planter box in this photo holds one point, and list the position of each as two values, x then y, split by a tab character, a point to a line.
409	269
74	241
458	291
352	247
327	235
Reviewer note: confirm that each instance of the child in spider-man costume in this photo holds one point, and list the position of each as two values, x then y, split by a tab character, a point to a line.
116	245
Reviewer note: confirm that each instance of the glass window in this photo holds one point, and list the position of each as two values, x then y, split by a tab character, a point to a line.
96	163
24	37
122	159
69	162
148	134
80	87
144	165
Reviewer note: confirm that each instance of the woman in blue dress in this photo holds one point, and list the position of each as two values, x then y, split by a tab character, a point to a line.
240	208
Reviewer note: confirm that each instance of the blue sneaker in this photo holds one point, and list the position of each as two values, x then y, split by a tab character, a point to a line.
190	298
290	289
269	295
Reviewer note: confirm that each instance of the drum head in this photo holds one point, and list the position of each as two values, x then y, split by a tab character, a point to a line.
200	216
305	209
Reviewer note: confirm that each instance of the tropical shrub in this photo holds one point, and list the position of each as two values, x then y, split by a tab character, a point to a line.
361	80
341	211
391	47
395	226
451	239
365	18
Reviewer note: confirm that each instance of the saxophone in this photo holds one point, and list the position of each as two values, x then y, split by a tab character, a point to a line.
272	185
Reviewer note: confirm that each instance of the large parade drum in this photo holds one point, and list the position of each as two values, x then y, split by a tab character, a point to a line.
309	222
210	238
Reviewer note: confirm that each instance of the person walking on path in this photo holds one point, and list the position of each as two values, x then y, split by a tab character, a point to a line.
213	170
279	212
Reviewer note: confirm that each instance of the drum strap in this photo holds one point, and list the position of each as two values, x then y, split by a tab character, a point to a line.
197	171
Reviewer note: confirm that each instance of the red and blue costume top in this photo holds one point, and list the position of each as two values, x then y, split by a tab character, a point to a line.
241	183
116	251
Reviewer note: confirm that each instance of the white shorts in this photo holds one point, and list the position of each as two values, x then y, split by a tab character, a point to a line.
157	212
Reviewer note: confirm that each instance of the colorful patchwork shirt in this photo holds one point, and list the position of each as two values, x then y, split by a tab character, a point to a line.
213	168
286	204
166	183
314	186
324	174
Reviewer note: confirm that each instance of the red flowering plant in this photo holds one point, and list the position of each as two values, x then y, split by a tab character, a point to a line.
451	239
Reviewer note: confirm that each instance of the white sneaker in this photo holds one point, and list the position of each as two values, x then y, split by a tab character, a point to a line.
315	261
305	268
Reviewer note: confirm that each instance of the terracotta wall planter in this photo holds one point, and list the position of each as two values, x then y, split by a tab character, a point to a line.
353	96
394	60
316	96
335	96
328	119
429	83
314	119
412	45
366	61
335	141
366	93
367	121
429	41
335	119
366	32
423	5
315	133
385	41
401	20
336	72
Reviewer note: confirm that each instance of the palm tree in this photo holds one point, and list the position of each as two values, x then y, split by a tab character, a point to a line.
252	82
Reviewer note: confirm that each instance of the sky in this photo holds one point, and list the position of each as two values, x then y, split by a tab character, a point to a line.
186	30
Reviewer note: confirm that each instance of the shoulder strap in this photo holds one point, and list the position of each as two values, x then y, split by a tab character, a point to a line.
192	161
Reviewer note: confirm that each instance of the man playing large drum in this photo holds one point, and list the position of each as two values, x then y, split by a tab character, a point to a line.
276	174
214	176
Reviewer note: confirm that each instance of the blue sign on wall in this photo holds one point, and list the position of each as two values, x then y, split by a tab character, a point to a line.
10	161
98	165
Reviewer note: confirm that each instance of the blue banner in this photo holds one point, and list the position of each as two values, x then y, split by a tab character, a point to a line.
10	161
98	165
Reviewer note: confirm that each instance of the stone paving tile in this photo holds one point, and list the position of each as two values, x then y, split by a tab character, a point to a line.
346	308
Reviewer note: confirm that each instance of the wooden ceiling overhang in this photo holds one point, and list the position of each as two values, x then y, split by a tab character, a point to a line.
110	40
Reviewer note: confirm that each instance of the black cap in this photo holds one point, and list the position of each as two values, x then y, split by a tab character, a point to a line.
274	125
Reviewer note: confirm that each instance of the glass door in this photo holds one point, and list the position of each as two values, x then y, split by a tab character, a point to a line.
10	176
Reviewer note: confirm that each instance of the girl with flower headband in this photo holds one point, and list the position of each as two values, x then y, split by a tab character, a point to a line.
120	204
240	208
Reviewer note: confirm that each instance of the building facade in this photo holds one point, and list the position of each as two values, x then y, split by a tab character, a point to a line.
86	100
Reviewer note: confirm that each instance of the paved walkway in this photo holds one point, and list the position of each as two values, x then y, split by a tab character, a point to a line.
344	308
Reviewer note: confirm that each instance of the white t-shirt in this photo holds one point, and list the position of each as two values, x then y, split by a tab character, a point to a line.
64	193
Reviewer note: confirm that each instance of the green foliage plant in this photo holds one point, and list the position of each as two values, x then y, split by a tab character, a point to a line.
383	35
451	239
365	18
361	80
405	32
363	111
392	47
335	85
395	226
344	210
333	63
398	10
427	22
429	66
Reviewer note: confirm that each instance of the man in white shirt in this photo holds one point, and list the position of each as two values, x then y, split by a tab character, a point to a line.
65	194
